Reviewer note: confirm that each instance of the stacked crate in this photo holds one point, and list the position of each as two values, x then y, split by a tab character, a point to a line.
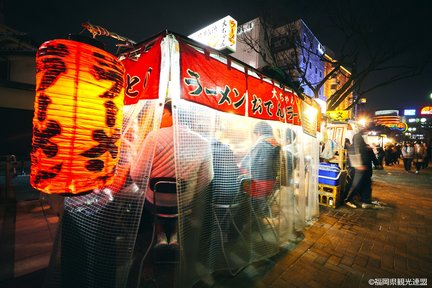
331	180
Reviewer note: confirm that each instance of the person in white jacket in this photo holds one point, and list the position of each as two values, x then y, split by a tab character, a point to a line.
407	156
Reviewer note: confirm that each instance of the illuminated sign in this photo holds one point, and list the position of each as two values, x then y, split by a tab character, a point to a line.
385	120
221	35
339	115
401	126
427	110
246	28
409	112
387	112
322	104
309	119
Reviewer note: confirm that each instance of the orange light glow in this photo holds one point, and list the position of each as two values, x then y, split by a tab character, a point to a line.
78	117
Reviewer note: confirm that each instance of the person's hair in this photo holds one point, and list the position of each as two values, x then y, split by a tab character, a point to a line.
290	135
168	106
263	128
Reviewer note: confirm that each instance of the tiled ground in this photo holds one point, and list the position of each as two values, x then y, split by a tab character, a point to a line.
344	248
348	247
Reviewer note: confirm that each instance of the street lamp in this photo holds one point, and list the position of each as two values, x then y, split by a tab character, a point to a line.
363	121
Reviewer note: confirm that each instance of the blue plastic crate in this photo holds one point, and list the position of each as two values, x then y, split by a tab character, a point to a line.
328	170
331	182
329	174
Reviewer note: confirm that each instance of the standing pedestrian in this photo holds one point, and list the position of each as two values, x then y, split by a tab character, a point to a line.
407	156
427	156
419	155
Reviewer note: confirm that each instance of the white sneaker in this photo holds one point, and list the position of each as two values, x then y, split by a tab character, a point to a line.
173	240
367	206
350	204
161	240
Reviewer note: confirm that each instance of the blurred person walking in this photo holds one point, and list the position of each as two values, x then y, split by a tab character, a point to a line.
361	157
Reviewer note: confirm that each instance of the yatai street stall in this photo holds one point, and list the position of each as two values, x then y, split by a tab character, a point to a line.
235	203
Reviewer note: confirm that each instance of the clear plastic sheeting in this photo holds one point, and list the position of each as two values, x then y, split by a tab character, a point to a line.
258	195
96	239
244	188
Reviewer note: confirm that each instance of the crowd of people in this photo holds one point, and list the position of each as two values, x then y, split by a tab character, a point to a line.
411	153
363	158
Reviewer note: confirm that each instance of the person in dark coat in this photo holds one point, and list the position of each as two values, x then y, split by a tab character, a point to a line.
261	165
380	157
225	184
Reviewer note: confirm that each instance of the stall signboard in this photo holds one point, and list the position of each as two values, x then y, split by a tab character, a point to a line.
143	73
208	81
220	35
338	115
309	119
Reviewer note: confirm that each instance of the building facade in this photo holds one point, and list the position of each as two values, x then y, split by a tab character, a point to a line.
292	47
337	80
17	92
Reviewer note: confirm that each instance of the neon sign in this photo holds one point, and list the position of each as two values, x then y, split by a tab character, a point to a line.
427	110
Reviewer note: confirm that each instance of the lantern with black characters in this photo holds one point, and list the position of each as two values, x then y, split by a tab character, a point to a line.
78	117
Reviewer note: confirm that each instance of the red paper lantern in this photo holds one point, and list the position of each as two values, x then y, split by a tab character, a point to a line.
78	117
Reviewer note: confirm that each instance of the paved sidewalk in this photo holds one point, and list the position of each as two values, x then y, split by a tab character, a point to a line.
344	248
354	247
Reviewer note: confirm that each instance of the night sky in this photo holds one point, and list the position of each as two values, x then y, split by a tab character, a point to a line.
139	20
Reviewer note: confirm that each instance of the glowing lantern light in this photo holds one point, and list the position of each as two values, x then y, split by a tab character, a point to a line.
78	117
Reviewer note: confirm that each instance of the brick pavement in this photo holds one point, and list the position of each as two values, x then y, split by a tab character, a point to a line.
346	247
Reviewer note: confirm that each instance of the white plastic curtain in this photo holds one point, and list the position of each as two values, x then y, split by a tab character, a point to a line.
231	213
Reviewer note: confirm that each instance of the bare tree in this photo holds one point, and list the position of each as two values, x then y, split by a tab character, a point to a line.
375	42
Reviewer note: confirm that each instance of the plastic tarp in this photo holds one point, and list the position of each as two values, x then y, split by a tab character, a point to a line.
237	204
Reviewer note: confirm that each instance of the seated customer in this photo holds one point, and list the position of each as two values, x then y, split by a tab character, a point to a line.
225	181
261	165
194	167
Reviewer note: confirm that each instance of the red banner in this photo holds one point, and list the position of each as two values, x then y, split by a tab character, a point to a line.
292	108
143	74
266	101
209	82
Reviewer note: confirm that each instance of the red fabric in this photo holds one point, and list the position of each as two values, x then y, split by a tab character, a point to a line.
266	101
293	104
209	82
215	84
260	188
143	74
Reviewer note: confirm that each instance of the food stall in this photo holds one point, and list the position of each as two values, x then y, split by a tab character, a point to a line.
214	97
